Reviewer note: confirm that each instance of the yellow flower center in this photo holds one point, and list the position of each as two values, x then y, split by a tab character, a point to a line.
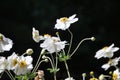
23	63
114	76
64	19
104	48
14	62
93	79
1	37
47	35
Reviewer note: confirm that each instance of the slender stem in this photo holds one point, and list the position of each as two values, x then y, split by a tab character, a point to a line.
1	74
68	73
70	41
38	65
9	75
52	67
35	68
79	45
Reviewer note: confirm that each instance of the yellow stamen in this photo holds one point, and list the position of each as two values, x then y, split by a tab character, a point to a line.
93	79
104	48
23	63
114	76
14	62
47	35
1	37
64	19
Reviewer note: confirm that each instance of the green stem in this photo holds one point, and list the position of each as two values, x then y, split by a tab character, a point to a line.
35	68
79	45
70	41
10	75
68	73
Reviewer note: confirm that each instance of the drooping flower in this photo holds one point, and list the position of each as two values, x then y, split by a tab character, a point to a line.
35	35
106	52
3	64
116	75
64	22
111	62
71	78
12	61
53	44
5	43
24	65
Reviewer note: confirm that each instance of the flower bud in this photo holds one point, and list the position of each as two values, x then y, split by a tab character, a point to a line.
42	51
92	38
29	51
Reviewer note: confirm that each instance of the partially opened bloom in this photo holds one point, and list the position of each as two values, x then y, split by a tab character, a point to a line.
64	22
106	52
24	65
111	62
116	75
35	35
5	43
53	44
71	78
3	64
12	61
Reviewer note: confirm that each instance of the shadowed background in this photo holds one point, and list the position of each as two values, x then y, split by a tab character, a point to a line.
96	18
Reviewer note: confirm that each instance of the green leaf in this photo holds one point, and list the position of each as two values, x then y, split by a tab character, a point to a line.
53	70
64	58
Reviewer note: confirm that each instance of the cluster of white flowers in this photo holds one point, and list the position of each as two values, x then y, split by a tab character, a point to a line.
108	52
53	45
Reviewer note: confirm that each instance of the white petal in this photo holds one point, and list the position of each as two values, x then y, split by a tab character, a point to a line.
105	66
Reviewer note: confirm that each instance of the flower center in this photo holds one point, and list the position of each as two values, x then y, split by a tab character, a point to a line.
104	48
23	63
64	19
14	62
93	79
115	76
47	35
1	37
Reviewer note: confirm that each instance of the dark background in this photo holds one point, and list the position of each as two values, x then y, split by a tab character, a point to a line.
99	18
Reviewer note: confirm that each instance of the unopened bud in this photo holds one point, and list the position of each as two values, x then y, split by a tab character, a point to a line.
84	74
101	77
42	51
46	60
29	51
43	57
92	38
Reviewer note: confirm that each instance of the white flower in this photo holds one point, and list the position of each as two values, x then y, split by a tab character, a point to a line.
35	35
12	61
111	62
53	44
5	43
2	64
106	52
64	23
24	65
116	75
71	78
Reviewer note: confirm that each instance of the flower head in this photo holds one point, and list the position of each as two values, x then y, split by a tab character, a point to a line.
24	65
64	22
111	62
2	64
106	52
116	75
5	43
12	61
53	44
35	35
